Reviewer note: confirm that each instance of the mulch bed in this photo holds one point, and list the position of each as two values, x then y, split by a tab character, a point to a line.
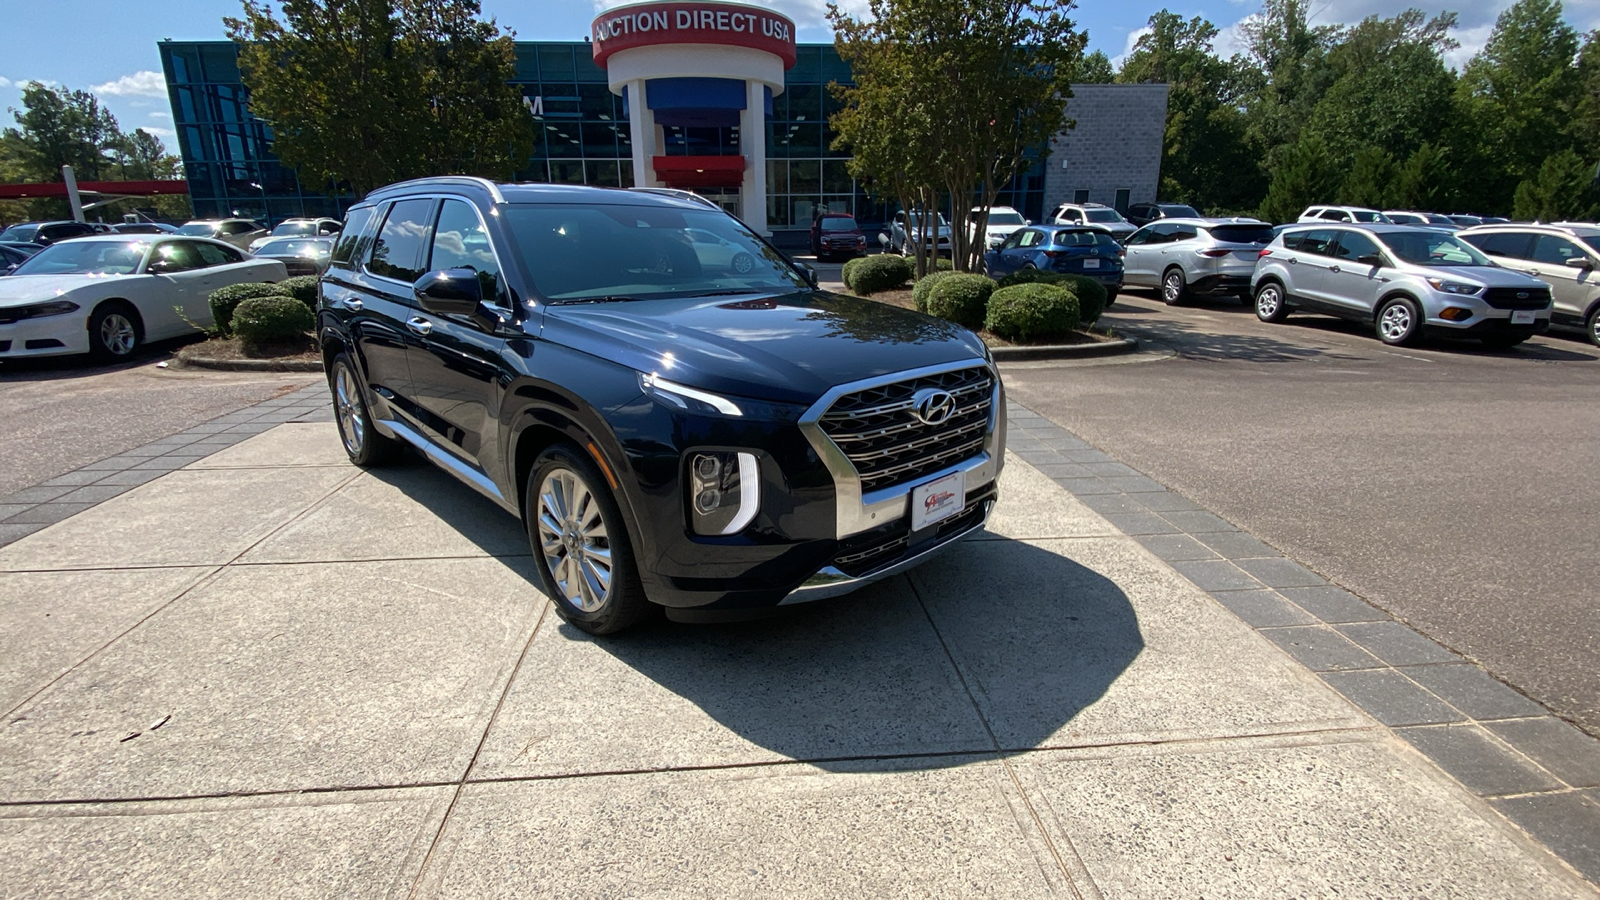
302	349
902	299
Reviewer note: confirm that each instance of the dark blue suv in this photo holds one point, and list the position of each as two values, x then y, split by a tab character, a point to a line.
676	412
1085	250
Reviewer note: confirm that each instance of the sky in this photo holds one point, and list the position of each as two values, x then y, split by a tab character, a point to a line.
109	46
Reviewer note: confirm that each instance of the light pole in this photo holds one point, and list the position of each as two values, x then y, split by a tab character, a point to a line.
257	185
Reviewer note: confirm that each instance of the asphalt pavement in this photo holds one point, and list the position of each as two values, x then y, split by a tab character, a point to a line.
1448	485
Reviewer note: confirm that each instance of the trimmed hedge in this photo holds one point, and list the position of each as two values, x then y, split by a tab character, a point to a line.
1091	296
225	300
961	297
273	317
1032	312
919	291
1031	276
847	274
302	288
944	264
880	273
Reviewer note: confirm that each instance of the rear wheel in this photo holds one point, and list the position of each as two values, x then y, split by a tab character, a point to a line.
1592	326
1269	303
1111	297
115	331
1173	288
580	545
1399	322
362	442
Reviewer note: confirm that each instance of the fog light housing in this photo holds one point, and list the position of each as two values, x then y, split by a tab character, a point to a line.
1456	314
724	491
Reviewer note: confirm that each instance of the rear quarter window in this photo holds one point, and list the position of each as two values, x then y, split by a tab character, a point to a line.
355	223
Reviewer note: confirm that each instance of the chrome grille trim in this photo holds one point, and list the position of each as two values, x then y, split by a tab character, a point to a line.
865	503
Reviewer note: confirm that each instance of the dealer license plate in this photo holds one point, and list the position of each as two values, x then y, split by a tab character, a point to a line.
938	500
1091	264
1522	317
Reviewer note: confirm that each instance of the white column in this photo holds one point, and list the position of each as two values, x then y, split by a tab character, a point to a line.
642	132
753	128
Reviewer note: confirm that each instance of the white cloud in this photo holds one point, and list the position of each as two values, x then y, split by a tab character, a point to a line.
1127	48
6	82
160	115
163	133
139	84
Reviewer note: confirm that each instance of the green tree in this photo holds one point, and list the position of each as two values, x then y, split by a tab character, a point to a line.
1304	176
1585	127
1564	189
368	92
59	127
1371	181
987	80
1205	160
1284	70
1095	69
1426	180
1519	95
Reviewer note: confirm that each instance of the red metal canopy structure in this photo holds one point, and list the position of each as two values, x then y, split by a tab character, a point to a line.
118	188
699	171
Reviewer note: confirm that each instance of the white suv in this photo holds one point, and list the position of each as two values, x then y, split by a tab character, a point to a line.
1567	255
1093	214
1407	281
1003	222
1344	214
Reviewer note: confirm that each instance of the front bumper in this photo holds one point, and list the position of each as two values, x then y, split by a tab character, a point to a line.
1488	327
63	335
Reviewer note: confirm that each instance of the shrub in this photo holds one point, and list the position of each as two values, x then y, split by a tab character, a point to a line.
1031	276
1091	296
302	288
225	300
961	297
919	291
944	264
847	274
273	317
880	273
1032	312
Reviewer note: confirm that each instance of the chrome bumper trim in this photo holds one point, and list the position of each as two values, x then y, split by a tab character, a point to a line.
830	582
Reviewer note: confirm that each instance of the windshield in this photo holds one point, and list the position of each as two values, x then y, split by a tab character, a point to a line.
1103	215
1176	211
838	223
1405	219
22	233
1005	218
85	258
198	229
1434	248
577	253
296	247
916	220
1242	234
294	228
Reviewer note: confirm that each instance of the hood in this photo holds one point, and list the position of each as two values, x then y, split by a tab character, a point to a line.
788	348
1488	276
19	290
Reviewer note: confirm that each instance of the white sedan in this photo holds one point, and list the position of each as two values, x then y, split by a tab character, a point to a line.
107	294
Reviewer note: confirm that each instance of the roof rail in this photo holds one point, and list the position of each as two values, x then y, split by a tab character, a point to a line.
473	180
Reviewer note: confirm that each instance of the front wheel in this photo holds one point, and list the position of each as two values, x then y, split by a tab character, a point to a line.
1592	326
1399	322
1269	303
1173	289
580	545
114	332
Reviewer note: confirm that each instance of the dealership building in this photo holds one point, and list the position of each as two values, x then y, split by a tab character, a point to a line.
712	97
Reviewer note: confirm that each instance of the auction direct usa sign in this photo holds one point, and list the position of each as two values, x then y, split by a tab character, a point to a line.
655	24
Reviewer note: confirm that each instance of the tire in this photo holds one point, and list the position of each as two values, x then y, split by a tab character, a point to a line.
1247	299
1504	341
1398	322
743	263
1173	288
1269	303
580	544
1591	326
115	331
362	442
1111	297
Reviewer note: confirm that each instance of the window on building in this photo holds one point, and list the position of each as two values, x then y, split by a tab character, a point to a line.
1080	197
1121	203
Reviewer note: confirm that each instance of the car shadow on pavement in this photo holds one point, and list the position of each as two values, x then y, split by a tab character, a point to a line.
57	368
1192	343
922	670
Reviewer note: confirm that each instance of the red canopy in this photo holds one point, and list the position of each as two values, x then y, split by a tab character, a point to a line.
699	171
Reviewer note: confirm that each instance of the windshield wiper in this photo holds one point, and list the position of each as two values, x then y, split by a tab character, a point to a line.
614	299
731	293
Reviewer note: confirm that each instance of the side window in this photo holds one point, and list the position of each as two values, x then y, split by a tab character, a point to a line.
1184	232
1335	215
355	222
1072	215
214	255
1161	234
460	242
237	228
178	256
1510	244
1352	246
1319	241
1555	250
397	253
1142	236
1012	241
1030	239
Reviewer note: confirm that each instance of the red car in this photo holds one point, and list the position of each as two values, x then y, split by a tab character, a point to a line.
837	234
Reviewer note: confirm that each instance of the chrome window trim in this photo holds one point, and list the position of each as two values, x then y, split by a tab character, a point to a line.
855	512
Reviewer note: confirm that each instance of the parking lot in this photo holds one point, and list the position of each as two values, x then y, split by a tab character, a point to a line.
1444	483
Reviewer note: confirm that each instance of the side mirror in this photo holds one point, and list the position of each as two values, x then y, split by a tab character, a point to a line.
809	273
1371	259
1579	262
450	292
1027	221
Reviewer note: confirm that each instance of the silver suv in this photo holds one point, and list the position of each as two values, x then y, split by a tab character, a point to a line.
1566	255
1408	281
1184	257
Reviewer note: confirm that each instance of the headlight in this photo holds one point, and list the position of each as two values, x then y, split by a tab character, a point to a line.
686	398
724	491
1453	287
38	310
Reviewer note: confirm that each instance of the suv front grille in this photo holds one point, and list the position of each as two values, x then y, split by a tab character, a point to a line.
887	546
1517	298
890	446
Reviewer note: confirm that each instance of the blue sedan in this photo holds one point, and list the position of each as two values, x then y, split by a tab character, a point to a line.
1068	249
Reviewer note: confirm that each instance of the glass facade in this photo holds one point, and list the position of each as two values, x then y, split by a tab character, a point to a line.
583	138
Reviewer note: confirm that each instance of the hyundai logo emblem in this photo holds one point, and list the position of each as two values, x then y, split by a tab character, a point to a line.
932	406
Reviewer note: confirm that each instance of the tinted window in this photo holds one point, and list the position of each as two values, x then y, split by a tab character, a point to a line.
1180	212
1353	246
85	258
1555	250
1084	239
1105	216
1005	218
291	229
217	256
238	227
397	253
1242	234
459	242
1071	215
1336	215
838	223
19	233
355	222
178	256
1368	216
1184	232
1318	241
1144	235
1512	244
1434	248
1400	218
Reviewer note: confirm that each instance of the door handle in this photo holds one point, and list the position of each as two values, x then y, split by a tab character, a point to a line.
1334	269
351	303
419	325
1293	261
1534	272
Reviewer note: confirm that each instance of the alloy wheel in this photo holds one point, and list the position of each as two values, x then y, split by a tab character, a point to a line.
351	412
1395	323
1172	287
574	540
1268	302
117	334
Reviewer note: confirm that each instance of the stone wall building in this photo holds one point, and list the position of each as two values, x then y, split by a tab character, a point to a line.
1113	155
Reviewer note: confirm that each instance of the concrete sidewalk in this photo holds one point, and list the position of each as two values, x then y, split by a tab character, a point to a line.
268	673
